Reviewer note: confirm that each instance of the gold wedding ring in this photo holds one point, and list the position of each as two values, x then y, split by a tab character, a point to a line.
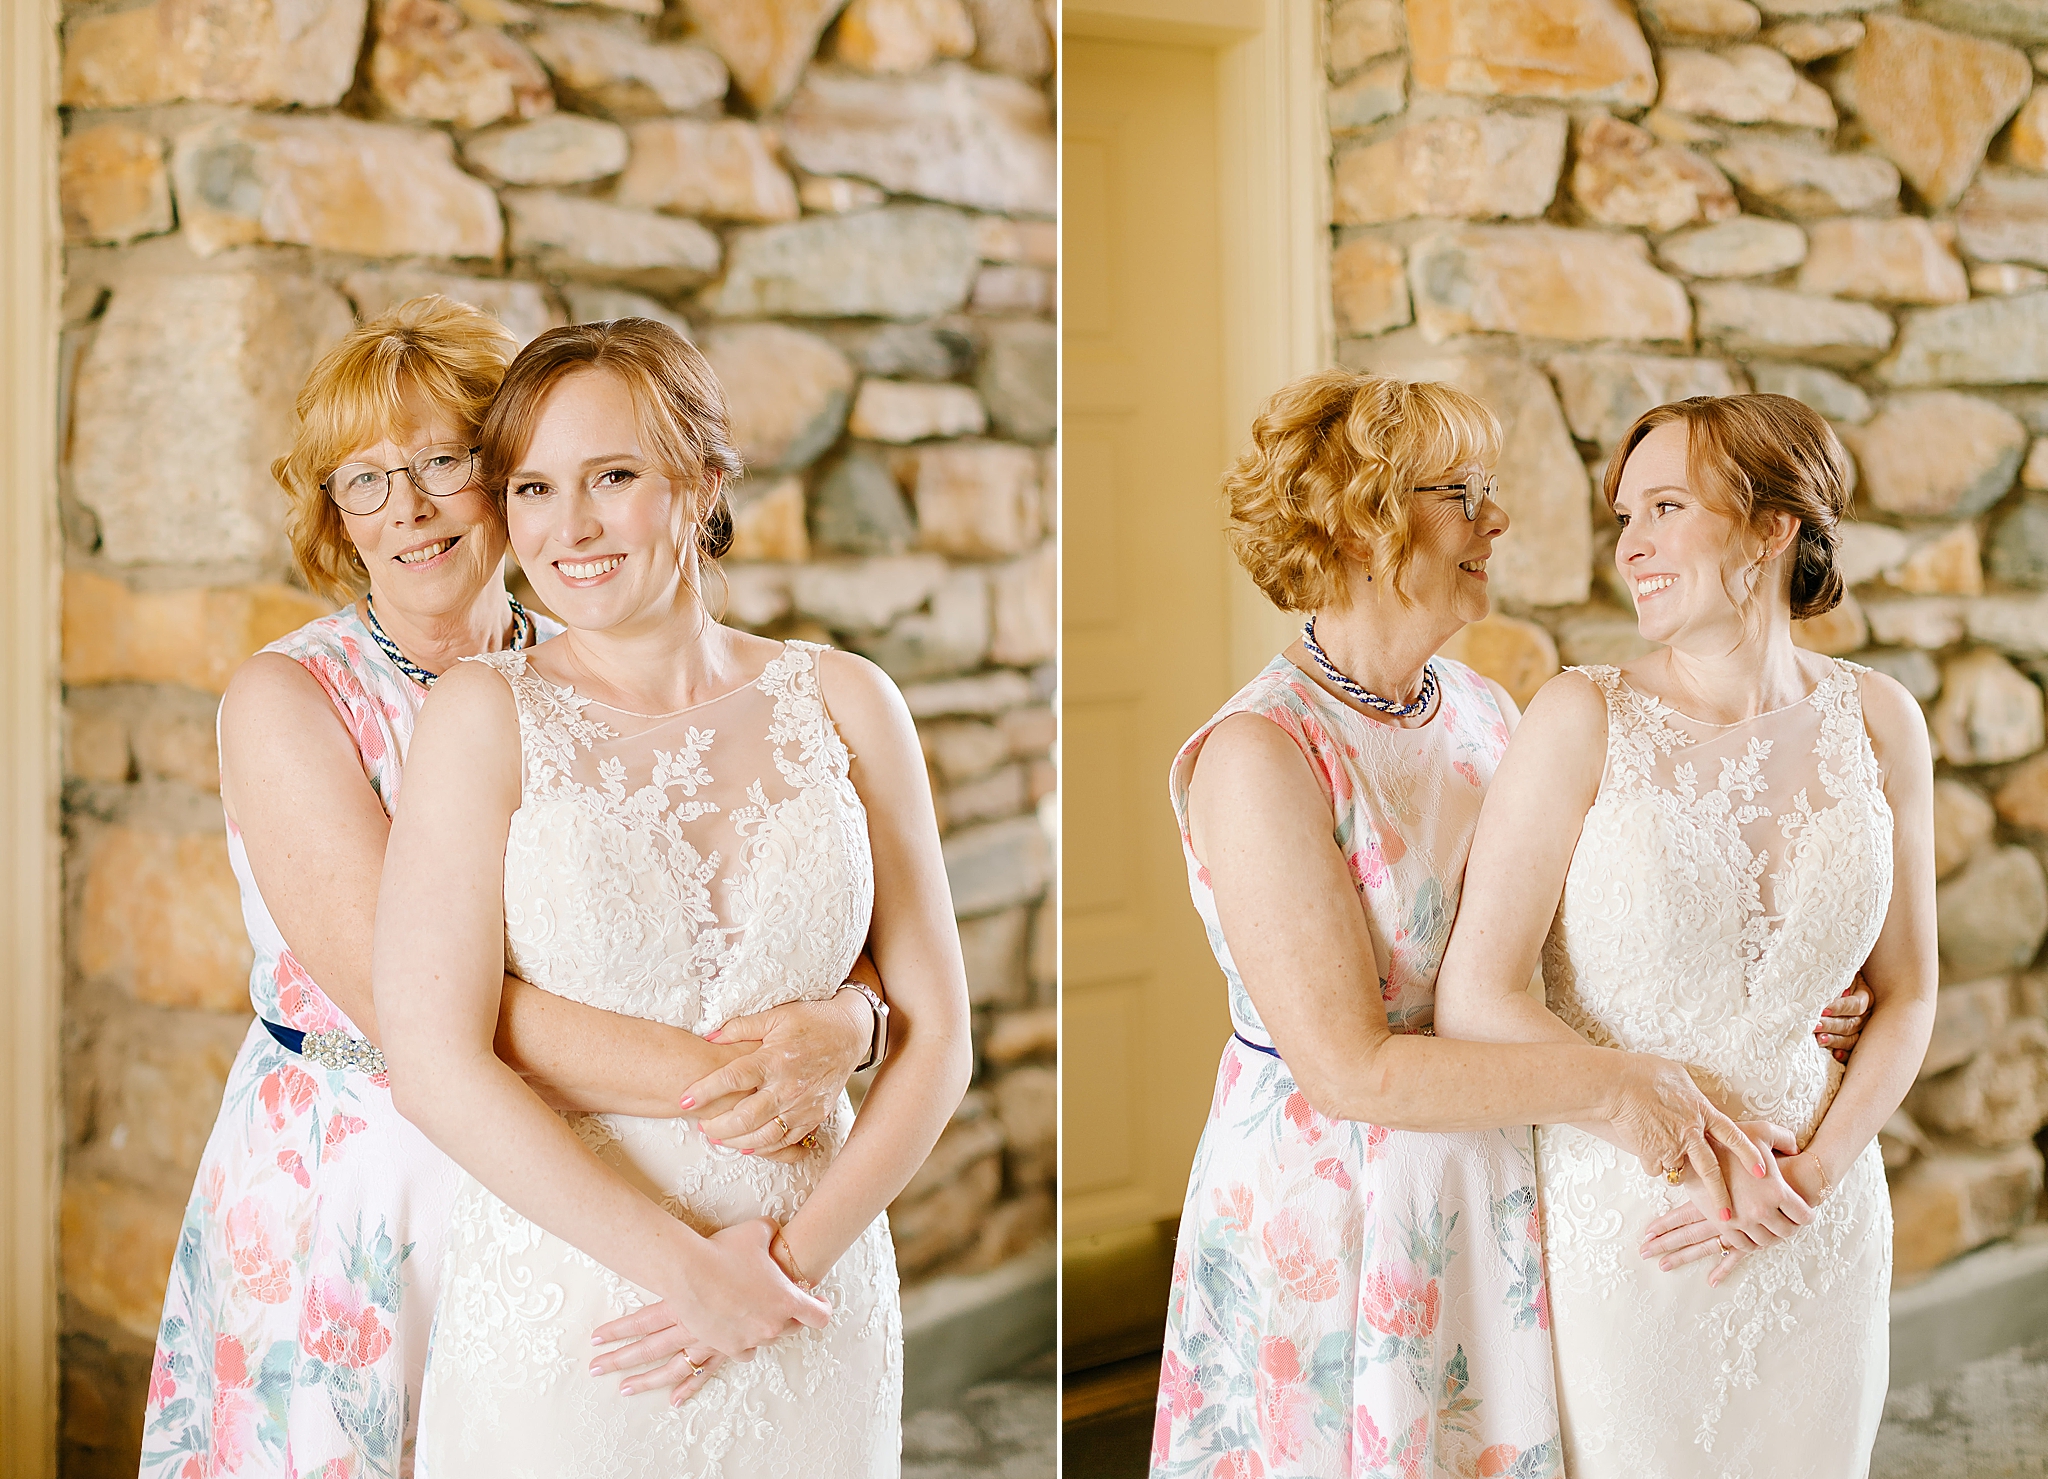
785	1126
696	1369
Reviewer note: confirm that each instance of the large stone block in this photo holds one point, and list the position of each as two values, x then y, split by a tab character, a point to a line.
1999	1096
903	262
993	948
1717	20
1950	1203
182	399
271	53
2021	22
1004	287
786	391
2003	279
902	35
112	185
953	134
156	1085
614	70
929	1231
117	1243
723	171
1805	182
1002	793
906	411
1811	40
1546	282
1026	600
1743	84
766	43
866	595
1901	260
1933	454
2018	551
1369	287
858	508
1745	319
2015	623
1576	50
561	149
1518	655
428	63
1361	30
1603	394
1946	565
1912	669
1929	623
373	189
1488	164
1624	177
1747	246
1013	36
1835	398
580	237
590	303
1967	1019
162	915
194	637
2004	218
997	865
977	500
1988	712
519	306
1027	1102
949	636
1837	633
1865	551
1931	99
1993	341
1018	378
1963	823
1380	91
770	524
985	693
2027	144
1992	914
1015	1037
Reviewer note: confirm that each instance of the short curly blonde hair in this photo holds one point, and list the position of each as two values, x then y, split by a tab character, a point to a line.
450	353
1333	457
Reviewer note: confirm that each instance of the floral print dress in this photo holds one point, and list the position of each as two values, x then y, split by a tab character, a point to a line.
1349	1299
295	1323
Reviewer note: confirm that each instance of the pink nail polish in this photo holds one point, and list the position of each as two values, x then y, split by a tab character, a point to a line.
689	1101
712	1036
746	1152
1727	1214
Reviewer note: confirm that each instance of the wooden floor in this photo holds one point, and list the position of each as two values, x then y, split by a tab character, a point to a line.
1106	1419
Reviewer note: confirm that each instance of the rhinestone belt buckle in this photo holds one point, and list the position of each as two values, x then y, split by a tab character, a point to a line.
335	1049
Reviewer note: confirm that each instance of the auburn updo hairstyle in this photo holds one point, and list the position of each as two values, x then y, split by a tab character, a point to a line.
1328	479
682	417
1753	456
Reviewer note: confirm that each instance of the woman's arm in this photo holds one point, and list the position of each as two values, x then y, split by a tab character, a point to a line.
1902	972
1289	909
437	969
916	947
292	781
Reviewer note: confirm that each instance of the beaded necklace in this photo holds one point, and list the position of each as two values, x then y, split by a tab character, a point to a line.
1358	690
522	628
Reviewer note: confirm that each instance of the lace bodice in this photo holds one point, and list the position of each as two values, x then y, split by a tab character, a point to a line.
687	867
1728	882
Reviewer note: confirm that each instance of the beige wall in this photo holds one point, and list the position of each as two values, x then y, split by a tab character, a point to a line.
849	206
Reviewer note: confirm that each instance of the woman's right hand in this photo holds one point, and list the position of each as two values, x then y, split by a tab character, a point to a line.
732	1296
1766	1210
1659	1114
768	1100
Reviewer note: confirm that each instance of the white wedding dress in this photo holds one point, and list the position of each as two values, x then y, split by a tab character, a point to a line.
688	868
1728	882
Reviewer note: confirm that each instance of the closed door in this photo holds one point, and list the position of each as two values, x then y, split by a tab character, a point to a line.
1146	615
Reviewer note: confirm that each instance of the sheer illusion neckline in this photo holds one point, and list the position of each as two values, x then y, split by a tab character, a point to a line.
1660	704
592	701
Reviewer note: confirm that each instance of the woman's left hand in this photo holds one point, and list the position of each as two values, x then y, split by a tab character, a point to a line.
1841	1020
681	1363
1686	1234
787	1086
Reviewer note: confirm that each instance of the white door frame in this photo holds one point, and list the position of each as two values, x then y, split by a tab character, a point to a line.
30	1004
1274	154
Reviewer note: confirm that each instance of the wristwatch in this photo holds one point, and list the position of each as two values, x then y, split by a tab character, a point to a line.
878	1041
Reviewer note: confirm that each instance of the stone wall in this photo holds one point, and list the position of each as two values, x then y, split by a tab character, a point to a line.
849	208
1578	210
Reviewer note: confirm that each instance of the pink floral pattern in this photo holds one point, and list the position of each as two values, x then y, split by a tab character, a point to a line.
295	1323
1349	1299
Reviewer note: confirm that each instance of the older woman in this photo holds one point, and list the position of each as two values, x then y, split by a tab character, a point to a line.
1702	846
296	1318
1358	1286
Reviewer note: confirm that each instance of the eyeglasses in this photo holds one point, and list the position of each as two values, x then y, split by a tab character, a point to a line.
1472	492
437	471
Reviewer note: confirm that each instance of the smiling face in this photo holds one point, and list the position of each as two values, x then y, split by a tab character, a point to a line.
427	557
1686	562
1446	569
592	516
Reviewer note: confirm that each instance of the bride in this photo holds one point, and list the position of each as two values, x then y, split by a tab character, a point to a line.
1722	831
668	818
